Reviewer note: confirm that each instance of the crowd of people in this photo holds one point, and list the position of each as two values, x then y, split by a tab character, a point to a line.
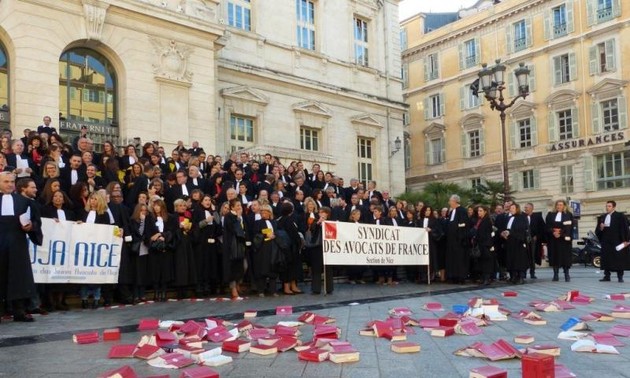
195	225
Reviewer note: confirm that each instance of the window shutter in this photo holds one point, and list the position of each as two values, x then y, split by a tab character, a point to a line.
547	25
532	78
477	50
427	150
592	61
462	97
591	17
511	85
622	108
534	130
482	143
616	8
515	185
462	57
572	67
575	122
508	38
514	136
465	145
553	129
595	118
442	107
569	8
610	55
536	178
443	151
557	70
528	32
426	68
589	174
427	108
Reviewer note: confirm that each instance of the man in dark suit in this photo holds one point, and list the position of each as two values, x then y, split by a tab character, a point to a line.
501	222
195	150
228	163
46	128
195	179
19	159
457	242
94	182
355	204
612	232
266	185
140	184
239	179
17	284
301	185
536	233
73	172
352	189
181	189
372	192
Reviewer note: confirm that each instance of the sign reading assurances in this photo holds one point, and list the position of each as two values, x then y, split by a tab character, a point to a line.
364	244
76	253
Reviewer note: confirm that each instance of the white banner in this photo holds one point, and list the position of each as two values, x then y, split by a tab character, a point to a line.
76	253
365	244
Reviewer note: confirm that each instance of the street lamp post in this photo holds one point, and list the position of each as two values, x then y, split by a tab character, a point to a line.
492	83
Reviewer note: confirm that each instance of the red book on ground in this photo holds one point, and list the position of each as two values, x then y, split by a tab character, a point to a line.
617	297
250	314
148	324
286	344
488	372
122	351
177	359
395	335
148	352
284	310
236	346
433	306
607	339
380	328
563	372
313	355
537	365
199	372
442	331
448	322
510	294
122	372
219	334
85	338
163	338
245	325
429	323
111	334
258	333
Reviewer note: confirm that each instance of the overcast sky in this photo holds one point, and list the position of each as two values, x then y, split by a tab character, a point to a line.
409	8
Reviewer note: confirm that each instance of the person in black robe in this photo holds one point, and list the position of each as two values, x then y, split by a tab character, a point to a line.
515	236
559	230
484	240
442	245
185	265
292	273
500	224
141	228
536	236
613	234
317	256
458	243
264	232
234	247
161	249
207	229
433	227
17	284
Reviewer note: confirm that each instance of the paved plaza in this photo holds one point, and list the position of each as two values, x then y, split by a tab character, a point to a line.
45	348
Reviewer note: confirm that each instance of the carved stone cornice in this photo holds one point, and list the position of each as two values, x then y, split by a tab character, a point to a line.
94	13
171	60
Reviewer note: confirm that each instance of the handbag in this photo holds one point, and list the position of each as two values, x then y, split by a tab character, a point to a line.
475	252
157	246
135	246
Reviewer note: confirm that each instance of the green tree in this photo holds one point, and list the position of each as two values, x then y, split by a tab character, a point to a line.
437	194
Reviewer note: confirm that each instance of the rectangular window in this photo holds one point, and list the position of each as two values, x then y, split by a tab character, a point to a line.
406	119
610	114
305	14
559	21
432	67
529	180
472	101
404	75
566	179
613	171
360	42
474	143
604	10
565	124
524	133
470	50
437	156
309	139
520	35
239	14
562	68
241	129
365	162
403	39
436	108
93	95
475	184
407	154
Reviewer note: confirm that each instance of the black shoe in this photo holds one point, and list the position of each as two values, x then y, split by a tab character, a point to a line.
84	304
619	279
521	281
94	305
23	318
567	278
555	278
533	277
605	279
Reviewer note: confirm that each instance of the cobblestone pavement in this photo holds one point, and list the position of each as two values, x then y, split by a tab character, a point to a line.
45	348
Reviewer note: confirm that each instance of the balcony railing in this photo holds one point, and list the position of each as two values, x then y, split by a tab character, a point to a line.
560	30
471	61
520	44
604	14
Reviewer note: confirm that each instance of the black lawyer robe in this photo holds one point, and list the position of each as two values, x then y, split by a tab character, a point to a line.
559	248
610	237
457	245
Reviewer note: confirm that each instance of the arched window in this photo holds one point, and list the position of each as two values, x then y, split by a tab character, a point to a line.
87	94
4	88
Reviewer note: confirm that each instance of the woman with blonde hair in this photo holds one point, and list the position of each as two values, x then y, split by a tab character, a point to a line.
185	266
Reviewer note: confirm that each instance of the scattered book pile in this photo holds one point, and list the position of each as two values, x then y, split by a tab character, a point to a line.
497	351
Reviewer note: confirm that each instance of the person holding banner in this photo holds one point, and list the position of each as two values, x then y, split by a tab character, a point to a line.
433	227
17	222
457	242
317	256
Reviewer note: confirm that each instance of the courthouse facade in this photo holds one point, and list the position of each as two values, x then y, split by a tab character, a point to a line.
568	139
302	79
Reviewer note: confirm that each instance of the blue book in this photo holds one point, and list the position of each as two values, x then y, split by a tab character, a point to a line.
460	309
572	322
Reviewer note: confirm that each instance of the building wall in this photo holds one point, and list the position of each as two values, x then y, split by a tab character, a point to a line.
583	94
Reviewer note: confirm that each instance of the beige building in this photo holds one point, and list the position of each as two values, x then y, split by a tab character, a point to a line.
567	139
307	80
